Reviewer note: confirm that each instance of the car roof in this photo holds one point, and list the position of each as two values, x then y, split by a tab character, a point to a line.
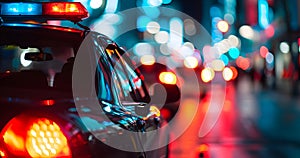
24	34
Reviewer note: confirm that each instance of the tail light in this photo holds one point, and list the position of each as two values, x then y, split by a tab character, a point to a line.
168	78
45	139
28	136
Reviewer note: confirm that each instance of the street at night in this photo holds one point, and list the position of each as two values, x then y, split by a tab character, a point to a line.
150	79
254	122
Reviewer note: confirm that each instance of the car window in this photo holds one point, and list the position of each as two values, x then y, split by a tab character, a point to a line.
128	83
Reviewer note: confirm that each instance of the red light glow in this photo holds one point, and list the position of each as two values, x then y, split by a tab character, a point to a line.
263	51
35	137
243	63
235	72
167	78
66	8
270	31
48	102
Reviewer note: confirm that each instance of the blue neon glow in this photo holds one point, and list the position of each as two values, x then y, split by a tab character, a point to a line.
225	59
142	22
263	13
166	1
111	6
234	53
21	9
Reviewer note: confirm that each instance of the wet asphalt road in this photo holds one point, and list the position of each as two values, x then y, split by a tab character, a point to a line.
252	123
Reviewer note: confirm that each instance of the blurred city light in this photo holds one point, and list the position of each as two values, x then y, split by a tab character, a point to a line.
215	12
111	6
166	1
284	47
147	60
189	27
270	31
162	37
234	41
229	18
223	26
234	52
246	32
155	3
263	51
153	27
227	74
143	49
217	65
263	13
207	74
142	22
186	51
189	45
269	58
190	62
225	59
216	34
243	63
168	78
95	4
152	12
164	49
176	32
234	72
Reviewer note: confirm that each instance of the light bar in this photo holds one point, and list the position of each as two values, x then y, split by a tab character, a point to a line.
73	11
21	9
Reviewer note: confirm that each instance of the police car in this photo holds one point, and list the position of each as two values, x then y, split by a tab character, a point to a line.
70	92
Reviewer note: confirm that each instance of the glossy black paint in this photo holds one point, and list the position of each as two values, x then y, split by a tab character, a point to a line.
22	92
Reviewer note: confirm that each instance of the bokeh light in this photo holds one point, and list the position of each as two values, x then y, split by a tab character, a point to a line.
207	74
227	74
190	62
234	52
243	63
269	58
155	3
234	41
229	18
168	78
225	59
143	49
246	32
166	1
284	47
147	60
189	27
263	51
153	27
234	71
142	22
217	65
162	37
223	26
164	49
95	4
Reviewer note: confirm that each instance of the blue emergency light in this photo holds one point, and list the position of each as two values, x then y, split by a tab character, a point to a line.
73	11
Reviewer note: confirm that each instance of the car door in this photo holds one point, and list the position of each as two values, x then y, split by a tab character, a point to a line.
132	94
